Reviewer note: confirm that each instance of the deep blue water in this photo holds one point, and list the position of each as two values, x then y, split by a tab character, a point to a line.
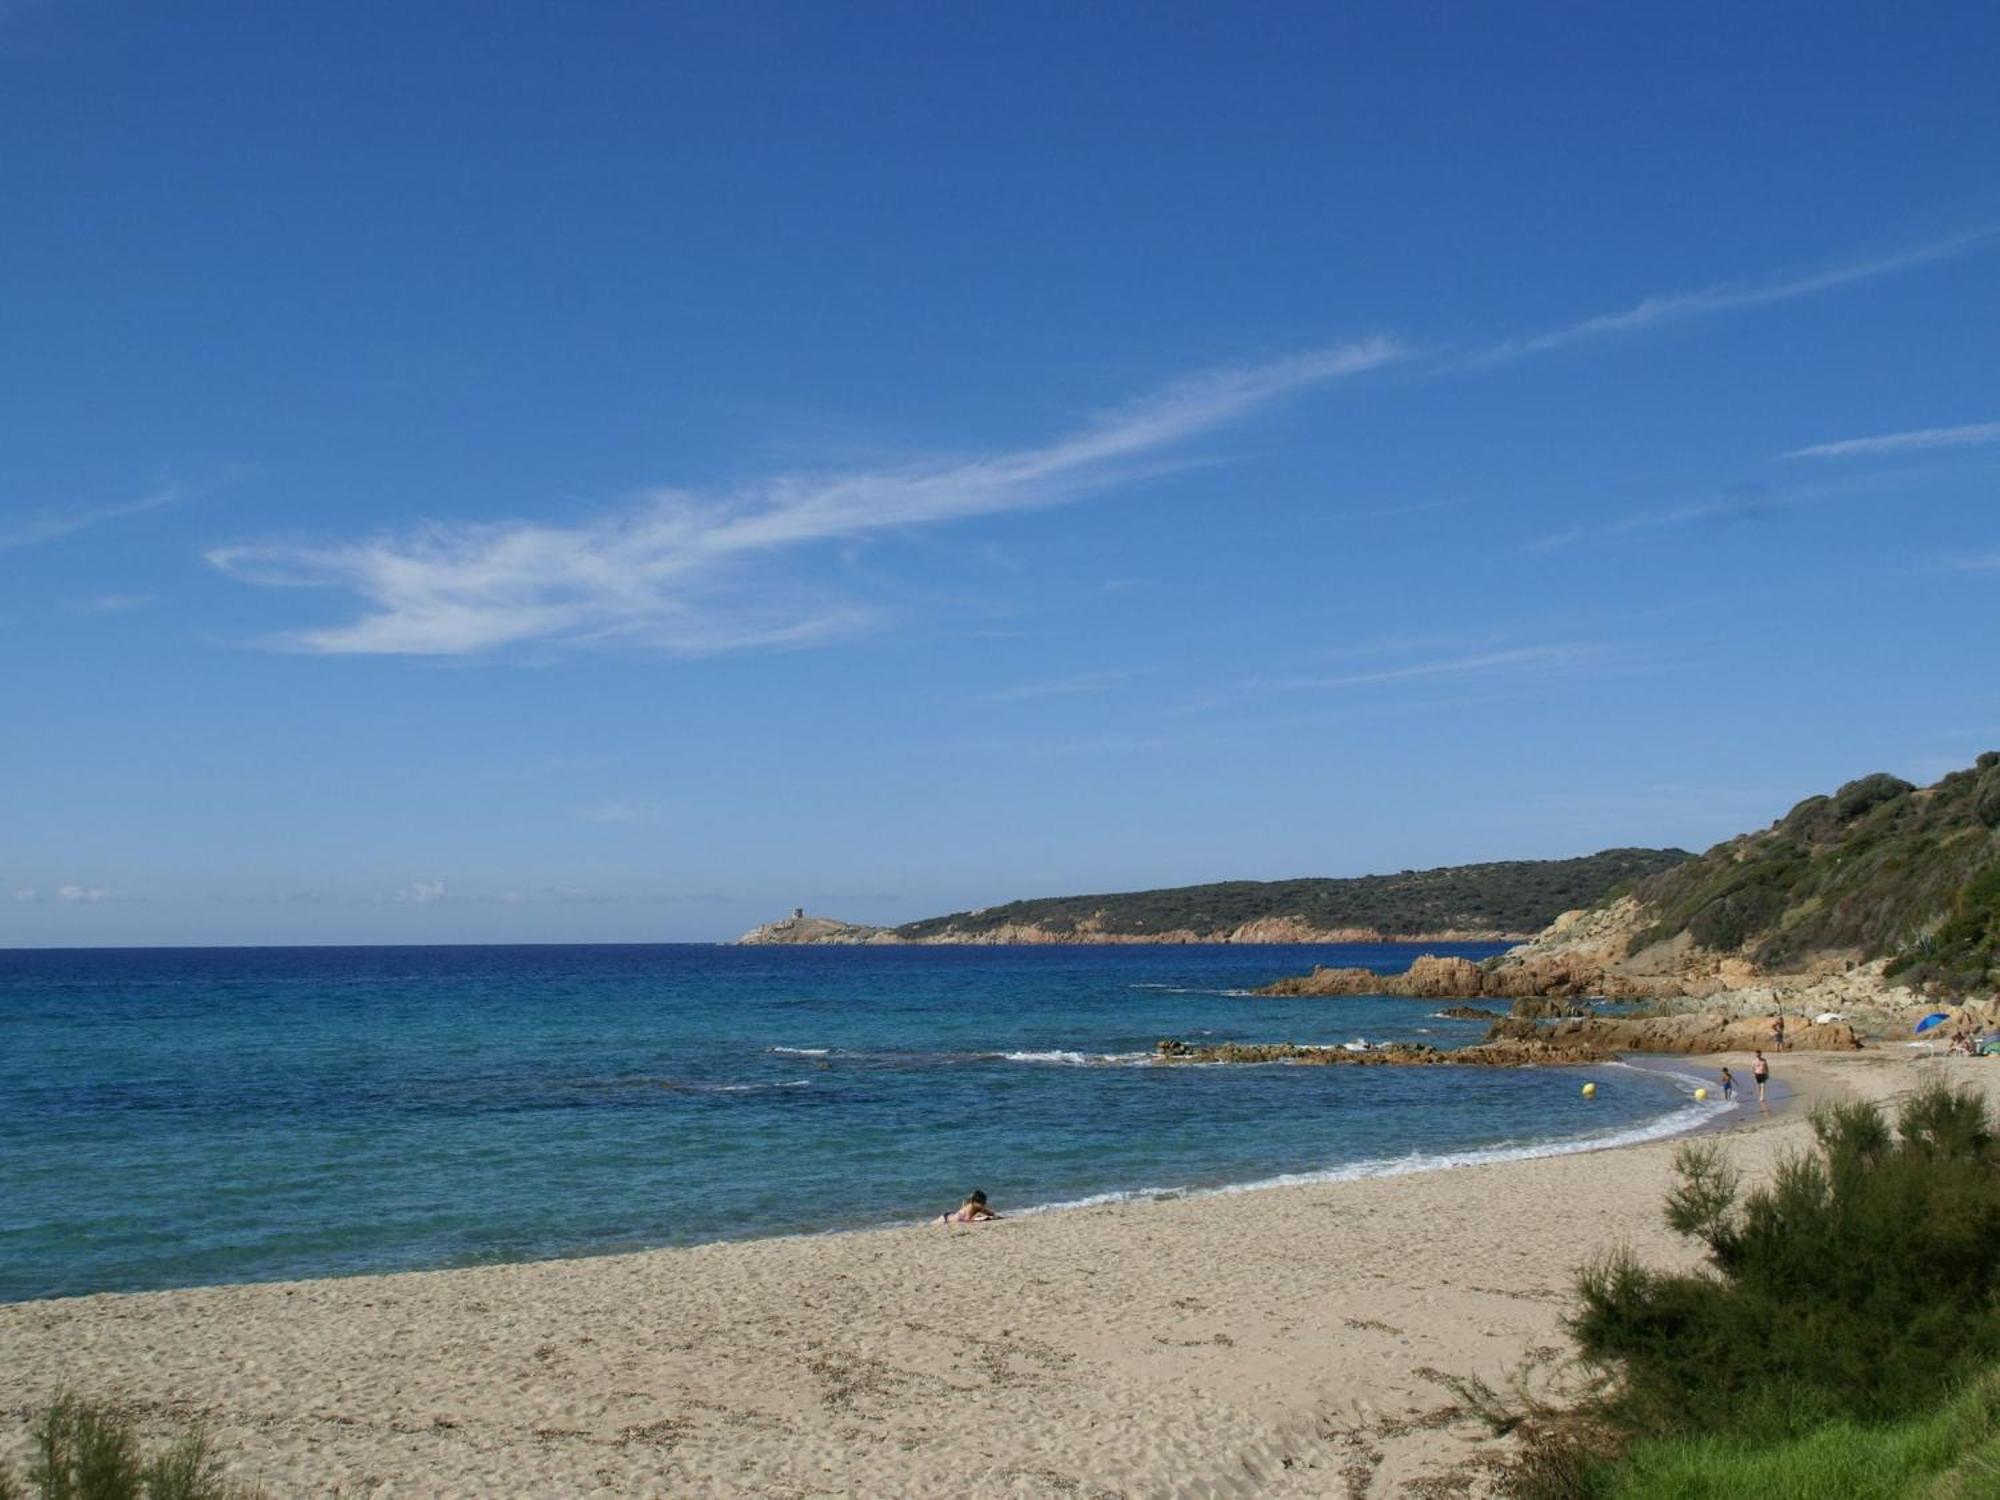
173	1117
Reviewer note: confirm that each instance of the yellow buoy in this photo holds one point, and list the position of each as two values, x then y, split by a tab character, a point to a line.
1590	1091
1700	1094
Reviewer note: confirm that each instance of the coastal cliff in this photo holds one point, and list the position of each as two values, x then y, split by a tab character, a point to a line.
1872	898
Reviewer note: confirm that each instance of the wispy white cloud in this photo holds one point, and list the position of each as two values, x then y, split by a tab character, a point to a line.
1988	564
699	573
672	573
1750	503
1690	814
566	894
1513	659
1973	436
1404	645
421	893
1055	687
51	524
627	813
1652	311
108	604
70	894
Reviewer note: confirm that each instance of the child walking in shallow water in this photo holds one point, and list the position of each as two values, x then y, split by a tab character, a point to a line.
1728	1086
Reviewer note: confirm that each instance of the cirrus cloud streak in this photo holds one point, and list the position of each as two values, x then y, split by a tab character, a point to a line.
678	571
1974	435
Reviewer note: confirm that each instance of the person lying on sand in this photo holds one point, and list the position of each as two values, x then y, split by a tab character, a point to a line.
971	1211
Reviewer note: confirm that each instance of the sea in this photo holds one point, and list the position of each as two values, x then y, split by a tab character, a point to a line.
183	1117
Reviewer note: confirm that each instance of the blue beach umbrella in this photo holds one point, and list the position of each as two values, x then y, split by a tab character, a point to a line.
1935	1018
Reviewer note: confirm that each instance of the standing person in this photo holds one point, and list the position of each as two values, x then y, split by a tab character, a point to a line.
1778	1031
1728	1086
1761	1071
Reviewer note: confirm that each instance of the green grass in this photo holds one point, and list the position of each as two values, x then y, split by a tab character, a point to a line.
1951	1455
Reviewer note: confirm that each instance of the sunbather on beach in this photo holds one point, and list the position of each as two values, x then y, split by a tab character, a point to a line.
971	1211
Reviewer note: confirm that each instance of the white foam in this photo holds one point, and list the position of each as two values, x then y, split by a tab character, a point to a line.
1690	1117
1099	1200
1081	1059
1677	1123
800	1051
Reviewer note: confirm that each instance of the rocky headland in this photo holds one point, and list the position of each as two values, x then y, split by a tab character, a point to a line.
1870	906
1270	930
799	928
1549	978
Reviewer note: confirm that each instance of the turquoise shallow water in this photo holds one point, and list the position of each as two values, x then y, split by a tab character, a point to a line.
179	1116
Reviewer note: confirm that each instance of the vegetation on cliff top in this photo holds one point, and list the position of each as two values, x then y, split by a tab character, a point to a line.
1511	896
1880	868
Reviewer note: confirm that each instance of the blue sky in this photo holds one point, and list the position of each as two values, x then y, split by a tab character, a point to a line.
505	472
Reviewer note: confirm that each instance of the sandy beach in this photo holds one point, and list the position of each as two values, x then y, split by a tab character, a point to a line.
1281	1342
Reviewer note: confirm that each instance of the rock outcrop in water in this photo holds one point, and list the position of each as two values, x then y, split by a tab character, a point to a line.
1683	1033
1521	1044
1519	1052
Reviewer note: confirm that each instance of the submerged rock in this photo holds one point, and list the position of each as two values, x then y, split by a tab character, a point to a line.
1685	1033
1511	1053
1539	1008
1512	1043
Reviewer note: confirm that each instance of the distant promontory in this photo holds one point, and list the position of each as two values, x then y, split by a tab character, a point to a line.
1503	901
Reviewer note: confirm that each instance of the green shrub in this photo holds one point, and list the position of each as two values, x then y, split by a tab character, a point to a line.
84	1451
1867	792
1986	797
1858	1285
1964	951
